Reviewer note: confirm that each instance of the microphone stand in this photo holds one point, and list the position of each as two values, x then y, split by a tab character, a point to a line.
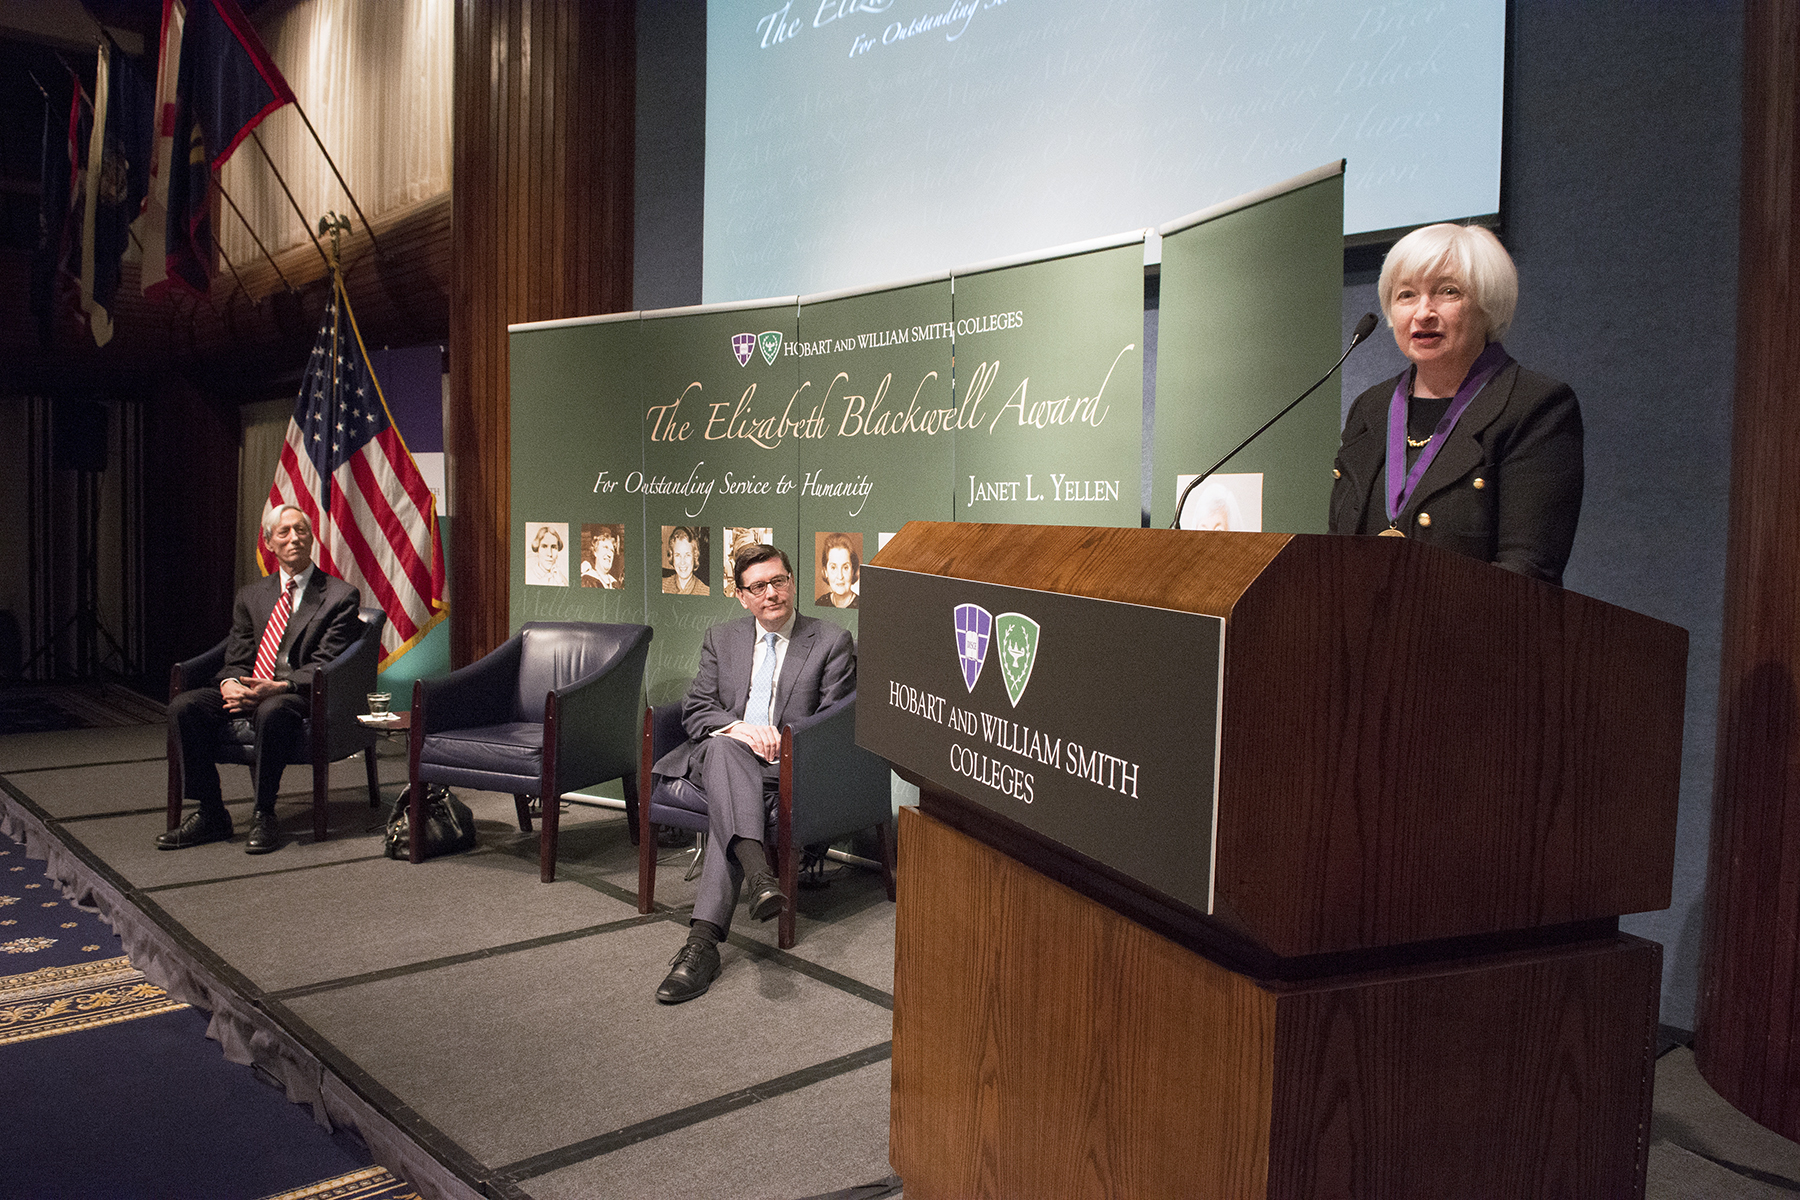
1364	328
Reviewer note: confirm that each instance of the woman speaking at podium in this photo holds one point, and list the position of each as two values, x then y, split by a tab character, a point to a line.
1465	449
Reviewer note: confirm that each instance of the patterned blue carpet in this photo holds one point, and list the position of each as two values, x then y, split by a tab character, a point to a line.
113	1090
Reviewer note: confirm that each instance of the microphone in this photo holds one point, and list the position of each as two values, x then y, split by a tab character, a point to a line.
1364	328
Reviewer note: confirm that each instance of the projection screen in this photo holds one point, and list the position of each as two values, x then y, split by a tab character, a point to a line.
850	142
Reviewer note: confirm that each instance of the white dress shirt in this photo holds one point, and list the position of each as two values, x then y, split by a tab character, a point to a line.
297	583
756	661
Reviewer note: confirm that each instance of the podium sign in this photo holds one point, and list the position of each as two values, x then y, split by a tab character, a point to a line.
1085	721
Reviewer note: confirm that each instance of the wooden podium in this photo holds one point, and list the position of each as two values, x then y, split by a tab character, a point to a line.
1266	865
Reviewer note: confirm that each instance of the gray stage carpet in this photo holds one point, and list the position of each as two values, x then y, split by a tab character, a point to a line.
487	1034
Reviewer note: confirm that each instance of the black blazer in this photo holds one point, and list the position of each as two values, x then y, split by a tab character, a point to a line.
322	626
1505	487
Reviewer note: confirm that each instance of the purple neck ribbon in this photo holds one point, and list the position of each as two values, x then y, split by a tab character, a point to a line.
1400	481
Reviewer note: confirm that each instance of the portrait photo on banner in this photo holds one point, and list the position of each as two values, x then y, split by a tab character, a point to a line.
547	553
737	536
602	556
684	569
837	581
1232	503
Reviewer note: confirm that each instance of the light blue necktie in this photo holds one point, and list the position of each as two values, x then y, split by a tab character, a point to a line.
762	687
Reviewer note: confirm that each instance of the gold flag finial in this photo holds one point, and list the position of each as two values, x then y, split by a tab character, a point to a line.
335	226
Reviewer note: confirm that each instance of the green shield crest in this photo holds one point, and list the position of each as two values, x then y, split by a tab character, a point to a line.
770	345
1017	637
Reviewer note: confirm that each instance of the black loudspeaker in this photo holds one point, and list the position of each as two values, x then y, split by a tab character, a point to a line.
79	435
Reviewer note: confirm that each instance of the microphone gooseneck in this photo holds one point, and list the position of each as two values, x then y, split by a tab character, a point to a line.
1358	336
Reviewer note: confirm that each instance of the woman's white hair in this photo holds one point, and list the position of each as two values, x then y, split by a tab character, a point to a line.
1467	253
272	518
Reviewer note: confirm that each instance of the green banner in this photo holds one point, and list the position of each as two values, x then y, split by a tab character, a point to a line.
645	447
1249	319
1050	389
879	362
722	416
577	536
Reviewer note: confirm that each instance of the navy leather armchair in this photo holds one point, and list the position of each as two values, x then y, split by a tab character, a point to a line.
555	708
340	694
830	788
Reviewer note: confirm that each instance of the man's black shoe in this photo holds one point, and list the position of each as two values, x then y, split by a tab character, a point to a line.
765	896
694	967
264	836
200	827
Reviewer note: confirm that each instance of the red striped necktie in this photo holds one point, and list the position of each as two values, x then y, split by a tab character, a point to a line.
271	638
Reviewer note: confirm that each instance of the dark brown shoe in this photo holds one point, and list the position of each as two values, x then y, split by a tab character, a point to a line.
694	967
765	896
264	834
201	826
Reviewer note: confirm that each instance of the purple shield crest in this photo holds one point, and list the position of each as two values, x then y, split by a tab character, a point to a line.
974	624
743	345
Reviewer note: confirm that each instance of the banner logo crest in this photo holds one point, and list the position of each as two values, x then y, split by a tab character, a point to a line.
770	344
1018	635
974	624
743	345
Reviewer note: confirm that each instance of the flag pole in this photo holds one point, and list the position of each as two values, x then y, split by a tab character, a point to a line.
290	196
320	143
220	184
327	481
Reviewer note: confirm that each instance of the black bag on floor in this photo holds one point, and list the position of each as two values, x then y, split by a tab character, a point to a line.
449	825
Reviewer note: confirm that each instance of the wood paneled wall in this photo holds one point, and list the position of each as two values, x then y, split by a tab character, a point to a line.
1749	1016
542	226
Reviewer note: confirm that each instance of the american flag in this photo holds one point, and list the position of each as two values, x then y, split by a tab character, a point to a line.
346	467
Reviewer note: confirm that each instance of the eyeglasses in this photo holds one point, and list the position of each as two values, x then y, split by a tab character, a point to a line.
755	590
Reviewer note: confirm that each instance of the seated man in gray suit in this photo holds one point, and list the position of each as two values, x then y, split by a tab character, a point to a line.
284	626
757	673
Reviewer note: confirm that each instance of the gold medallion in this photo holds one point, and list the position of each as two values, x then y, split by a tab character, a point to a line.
1390	531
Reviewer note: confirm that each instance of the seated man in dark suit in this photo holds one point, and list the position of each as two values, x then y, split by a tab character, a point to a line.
284	625
757	673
